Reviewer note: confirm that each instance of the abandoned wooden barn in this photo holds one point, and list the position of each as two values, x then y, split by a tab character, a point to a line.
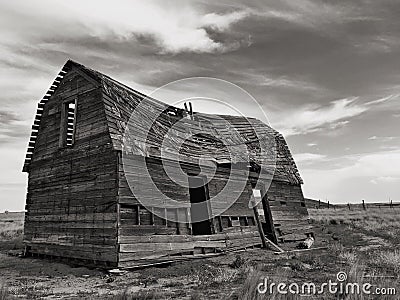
82	171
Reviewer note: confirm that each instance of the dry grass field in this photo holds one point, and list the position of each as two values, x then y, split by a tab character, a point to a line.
363	244
11	230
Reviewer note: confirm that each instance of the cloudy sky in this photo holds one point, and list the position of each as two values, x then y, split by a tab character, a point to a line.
327	73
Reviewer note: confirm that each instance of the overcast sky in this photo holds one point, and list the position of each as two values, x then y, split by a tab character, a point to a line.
327	73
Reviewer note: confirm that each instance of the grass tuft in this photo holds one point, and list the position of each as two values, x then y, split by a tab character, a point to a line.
142	295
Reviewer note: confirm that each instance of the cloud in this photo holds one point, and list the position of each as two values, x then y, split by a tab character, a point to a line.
382	138
7	117
382	100
376	164
173	26
223	21
285	82
300	55
380	43
338	124
311	118
352	181
308	157
12	127
385	179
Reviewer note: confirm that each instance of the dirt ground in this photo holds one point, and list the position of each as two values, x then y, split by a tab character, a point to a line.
222	277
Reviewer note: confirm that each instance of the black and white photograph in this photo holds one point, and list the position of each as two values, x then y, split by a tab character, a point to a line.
197	149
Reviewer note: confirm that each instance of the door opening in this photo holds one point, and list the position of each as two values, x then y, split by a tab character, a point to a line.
199	206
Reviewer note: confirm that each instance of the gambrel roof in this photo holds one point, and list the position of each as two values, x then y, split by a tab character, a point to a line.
190	136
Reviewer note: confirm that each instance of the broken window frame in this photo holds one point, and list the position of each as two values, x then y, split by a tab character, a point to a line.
66	123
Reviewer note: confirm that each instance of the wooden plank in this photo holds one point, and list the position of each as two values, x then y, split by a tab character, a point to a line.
186	245
144	230
83	252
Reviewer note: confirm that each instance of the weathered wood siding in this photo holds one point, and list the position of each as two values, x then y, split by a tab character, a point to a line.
237	213
72	192
289	212
80	206
145	237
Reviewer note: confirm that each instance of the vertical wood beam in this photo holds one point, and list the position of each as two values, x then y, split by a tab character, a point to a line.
189	221
63	126
220	223
177	221
152	216
268	216
138	214
260	229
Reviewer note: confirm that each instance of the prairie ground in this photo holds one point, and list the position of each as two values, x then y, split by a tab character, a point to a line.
362	244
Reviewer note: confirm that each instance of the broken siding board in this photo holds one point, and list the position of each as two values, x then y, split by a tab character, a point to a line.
224	243
154	246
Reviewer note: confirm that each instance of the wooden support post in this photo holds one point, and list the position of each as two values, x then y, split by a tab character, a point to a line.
328	204
348	205
268	217
259	225
118	225
221	227
138	214
391	203
188	219
363	204
177	221
166	217
152	216
319	204
212	225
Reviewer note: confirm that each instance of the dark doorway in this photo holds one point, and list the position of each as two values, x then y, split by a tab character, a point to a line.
199	209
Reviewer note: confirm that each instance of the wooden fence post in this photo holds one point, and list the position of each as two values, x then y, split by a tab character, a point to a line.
328	204
319	204
348	204
363	204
